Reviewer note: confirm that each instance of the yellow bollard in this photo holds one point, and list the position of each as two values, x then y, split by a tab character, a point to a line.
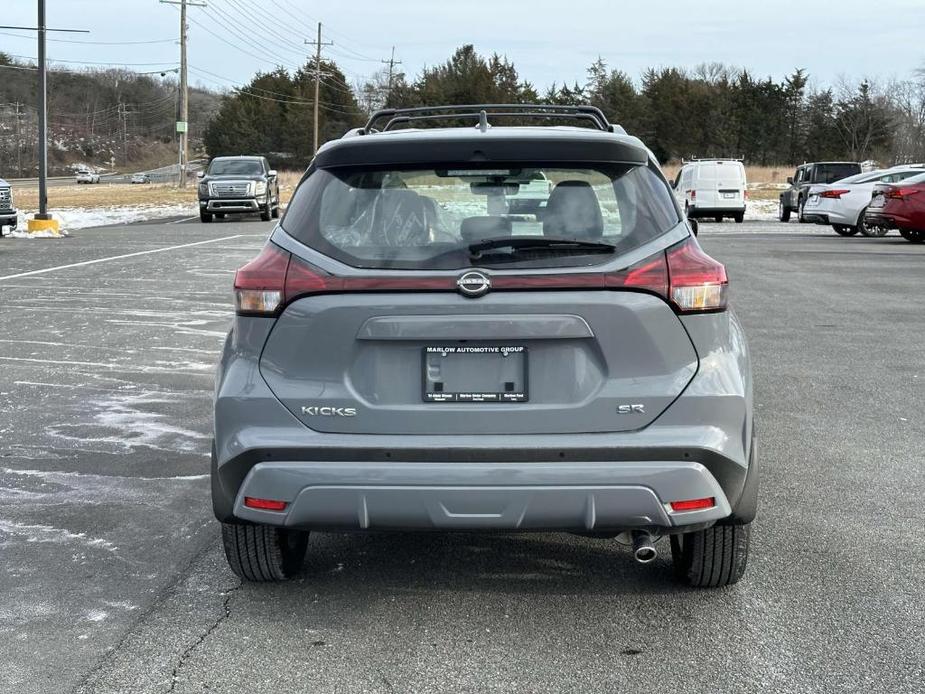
43	226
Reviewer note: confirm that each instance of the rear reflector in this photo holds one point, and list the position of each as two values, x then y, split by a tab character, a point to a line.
693	504
264	504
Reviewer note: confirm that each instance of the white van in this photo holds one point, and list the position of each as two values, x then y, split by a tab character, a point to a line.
712	188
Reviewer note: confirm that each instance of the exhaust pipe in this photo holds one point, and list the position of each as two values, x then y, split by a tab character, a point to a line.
643	548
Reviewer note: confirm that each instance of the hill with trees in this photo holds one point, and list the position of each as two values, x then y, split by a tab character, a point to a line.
117	119
110	119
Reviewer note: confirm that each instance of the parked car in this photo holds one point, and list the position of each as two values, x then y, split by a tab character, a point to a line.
794	198
533	190
402	359
899	206
141	178
843	203
238	185
87	176
712	188
8	213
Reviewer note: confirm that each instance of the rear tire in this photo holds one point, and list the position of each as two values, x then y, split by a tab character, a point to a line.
843	230
205	217
275	214
711	558
870	232
266	213
913	235
801	204
263	553
783	212
739	217
718	219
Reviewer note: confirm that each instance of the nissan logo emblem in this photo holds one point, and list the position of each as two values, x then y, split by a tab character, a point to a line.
473	284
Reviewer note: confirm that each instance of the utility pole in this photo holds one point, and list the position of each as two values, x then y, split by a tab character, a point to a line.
391	62
43	119
18	143
42	219
318	46
183	122
123	116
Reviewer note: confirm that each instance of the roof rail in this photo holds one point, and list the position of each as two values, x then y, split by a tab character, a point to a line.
396	116
696	159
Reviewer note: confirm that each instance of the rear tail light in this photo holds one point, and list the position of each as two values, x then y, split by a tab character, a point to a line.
745	193
259	285
693	194
697	282
836	194
693	504
683	275
901	193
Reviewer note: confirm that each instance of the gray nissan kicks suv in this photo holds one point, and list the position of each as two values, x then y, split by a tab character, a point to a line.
408	353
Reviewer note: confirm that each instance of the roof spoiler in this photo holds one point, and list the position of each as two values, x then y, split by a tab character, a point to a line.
480	113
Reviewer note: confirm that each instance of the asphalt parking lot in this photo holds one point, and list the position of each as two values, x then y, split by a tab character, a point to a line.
112	578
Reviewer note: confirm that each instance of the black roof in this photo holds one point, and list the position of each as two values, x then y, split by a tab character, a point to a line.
474	145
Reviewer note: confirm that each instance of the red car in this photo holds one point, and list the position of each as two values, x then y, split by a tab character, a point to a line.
899	206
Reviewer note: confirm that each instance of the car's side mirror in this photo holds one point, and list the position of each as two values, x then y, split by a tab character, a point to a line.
694	225
200	174
790	180
271	173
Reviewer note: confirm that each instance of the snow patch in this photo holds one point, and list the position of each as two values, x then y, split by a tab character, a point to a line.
83	218
50	534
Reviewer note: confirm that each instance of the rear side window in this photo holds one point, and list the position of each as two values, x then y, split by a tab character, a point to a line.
427	218
829	173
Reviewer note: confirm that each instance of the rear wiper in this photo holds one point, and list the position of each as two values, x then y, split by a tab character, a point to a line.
536	242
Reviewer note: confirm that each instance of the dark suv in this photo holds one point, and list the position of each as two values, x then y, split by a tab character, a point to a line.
8	214
238	185
408	353
794	198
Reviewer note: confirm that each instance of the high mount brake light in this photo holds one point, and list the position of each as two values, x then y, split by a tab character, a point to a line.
683	275
836	194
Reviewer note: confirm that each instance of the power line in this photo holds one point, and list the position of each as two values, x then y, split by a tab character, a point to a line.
84	62
94	43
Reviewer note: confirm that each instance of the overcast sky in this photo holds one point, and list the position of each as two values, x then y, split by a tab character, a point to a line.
548	40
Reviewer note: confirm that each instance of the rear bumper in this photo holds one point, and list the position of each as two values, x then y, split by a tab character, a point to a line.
886	219
222	205
704	211
592	496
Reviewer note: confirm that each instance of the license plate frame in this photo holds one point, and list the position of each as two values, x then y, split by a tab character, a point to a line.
440	363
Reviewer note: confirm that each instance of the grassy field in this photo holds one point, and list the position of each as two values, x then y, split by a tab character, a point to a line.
764	183
123	194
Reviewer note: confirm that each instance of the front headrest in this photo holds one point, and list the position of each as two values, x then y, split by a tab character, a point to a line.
573	211
400	219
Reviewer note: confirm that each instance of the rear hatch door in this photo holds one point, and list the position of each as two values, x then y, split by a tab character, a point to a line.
509	362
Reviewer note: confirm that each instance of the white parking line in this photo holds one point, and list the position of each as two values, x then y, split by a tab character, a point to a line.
118	257
185	219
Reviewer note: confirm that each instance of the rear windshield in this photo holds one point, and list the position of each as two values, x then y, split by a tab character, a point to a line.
829	173
236	167
430	218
